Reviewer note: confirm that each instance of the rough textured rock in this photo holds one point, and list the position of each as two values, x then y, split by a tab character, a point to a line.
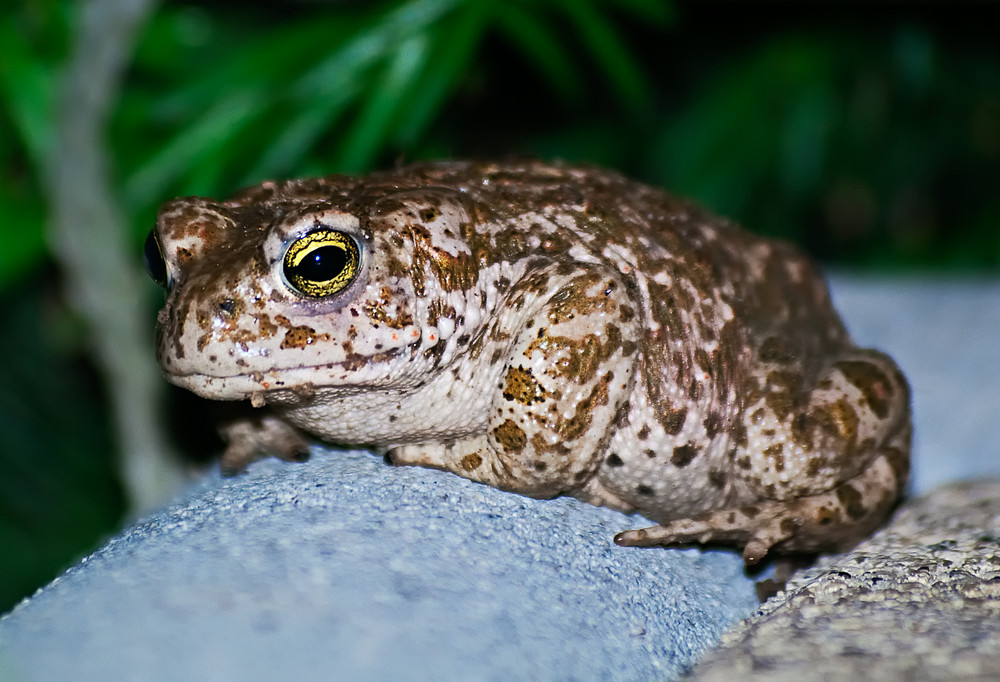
919	601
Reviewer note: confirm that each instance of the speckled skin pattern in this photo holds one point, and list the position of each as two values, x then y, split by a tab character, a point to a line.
548	330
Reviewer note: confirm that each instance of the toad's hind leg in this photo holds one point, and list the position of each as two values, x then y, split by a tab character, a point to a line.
825	474
832	520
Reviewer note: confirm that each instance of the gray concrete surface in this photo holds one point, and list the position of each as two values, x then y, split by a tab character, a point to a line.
347	568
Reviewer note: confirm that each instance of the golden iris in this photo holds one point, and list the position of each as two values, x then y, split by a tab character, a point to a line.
322	263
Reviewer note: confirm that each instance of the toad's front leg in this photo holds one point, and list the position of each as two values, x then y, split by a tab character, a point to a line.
565	379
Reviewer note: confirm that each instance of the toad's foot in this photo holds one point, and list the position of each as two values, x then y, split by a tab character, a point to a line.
251	438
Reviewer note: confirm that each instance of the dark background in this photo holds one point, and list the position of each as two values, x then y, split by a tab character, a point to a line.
869	133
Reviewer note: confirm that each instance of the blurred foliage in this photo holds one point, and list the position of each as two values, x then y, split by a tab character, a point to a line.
883	148
868	133
58	489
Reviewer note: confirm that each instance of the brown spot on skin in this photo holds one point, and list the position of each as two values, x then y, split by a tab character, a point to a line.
622	419
182	256
265	327
302	336
572	428
773	453
643	432
673	420
541	445
899	461
649	453
782	390
644	490
376	311
574	300
402	215
579	359
852	501
790	525
717	478
752	390
777	350
434	353
832	425
750	511
521	385
683	455
510	436
704	362
846	419
826	516
712	424
872	382
614	460
471	462
739	434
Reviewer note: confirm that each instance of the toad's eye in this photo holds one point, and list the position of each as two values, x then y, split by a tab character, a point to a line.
322	263
153	256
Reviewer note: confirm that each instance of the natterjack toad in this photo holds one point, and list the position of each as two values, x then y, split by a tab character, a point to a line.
545	329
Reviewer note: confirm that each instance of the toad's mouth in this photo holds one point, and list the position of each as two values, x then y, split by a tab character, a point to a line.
282	385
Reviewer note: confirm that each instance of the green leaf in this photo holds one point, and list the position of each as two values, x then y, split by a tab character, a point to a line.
197	143
609	52
27	84
371	45
370	131
454	42
542	45
300	135
659	13
22	238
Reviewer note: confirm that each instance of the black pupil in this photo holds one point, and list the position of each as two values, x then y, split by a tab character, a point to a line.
323	264
155	266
